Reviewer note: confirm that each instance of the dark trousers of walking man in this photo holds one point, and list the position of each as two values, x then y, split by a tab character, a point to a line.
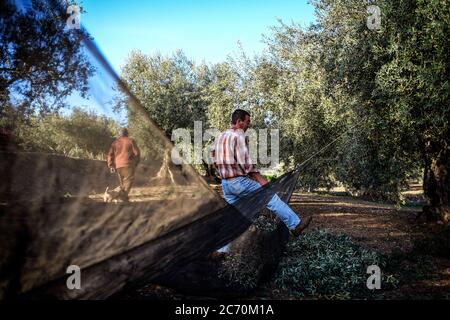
126	178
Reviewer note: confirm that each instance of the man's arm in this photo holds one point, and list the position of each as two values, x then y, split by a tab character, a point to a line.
243	158
258	178
111	156
212	154
136	152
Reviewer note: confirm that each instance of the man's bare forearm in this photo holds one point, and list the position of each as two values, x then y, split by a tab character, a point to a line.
258	178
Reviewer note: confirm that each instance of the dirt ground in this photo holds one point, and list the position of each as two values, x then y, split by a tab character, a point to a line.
385	229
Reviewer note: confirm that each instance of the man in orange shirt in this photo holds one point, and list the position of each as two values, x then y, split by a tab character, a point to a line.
123	158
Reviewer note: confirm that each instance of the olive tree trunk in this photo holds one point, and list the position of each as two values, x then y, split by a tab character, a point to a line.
436	182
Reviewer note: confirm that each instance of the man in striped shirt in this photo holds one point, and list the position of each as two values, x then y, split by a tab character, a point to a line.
240	178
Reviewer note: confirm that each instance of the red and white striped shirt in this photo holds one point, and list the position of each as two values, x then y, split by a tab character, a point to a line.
231	155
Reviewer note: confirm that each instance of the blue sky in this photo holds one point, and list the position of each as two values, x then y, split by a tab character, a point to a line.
205	30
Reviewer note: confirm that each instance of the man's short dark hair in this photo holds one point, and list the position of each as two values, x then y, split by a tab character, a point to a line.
239	114
123	132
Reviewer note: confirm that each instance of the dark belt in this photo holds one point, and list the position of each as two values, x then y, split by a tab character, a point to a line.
233	177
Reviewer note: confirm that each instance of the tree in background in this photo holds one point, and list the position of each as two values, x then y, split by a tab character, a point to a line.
41	61
81	134
306	114
416	84
169	88
373	159
222	95
388	89
171	91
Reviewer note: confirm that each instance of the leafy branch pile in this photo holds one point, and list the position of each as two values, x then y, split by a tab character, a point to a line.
331	266
242	266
